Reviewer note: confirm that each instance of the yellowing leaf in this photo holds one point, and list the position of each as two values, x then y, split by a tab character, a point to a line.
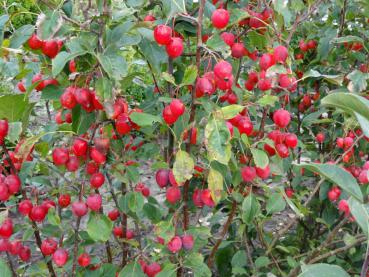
183	166
215	184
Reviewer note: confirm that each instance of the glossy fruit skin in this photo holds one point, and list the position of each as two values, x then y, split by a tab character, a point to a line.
79	208
223	70
152	270
281	118
162	177
21	87
238	50
38	213
50	48
173	195
6	229
84	260
149	18
206	198
25	207
248	173
94	202
334	194
122	124
291	140
4	192
72	164
34	42
280	54
60	156
4	128
187	242
97	180
289	192
13	182
245	126
80	147
282	150
177	107
220	18
67	99
175	244
64	200
266	61
264	84
162	34
24	253
320	138
118	231
49	246
97	156
113	214
343	206
60	257
263	173
228	38
174	48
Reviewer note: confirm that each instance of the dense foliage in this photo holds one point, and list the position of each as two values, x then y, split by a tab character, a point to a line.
184	138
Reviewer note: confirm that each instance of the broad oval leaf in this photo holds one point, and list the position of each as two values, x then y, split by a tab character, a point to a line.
276	203
231	111
360	213
336	175
132	269
215	184
260	157
189	75
144	119
183	166
99	227
4	269
217	137
21	35
325	270
250	208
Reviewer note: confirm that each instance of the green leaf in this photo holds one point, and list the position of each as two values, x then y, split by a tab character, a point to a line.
268	100
215	184
59	62
217	139
21	35
99	227
172	7
260	157
135	201
82	120
337	176
152	212
325	270
262	261
52	217
275	203
335	79
15	108
144	119
216	43
250	208
169	78
358	81
239	259
113	63
195	261
281	7
231	111
132	269
183	166
15	129
104	88
51	92
4	269
169	270
153	53
50	24
190	75
348	39
3	20
237	15
360	213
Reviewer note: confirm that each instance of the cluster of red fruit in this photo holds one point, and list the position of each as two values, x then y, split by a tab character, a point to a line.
238	49
333	195
15	248
354	46
173	111
49	48
151	270
83	96
41	83
173	44
305	47
177	243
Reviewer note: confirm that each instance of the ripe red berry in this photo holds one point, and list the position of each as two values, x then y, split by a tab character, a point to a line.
80	147
320	137
289	192
149	18
187	242
113	214
118	231
97	180
21	87
280	54
347	142
223	70
248	173
228	38
175	47
175	244
343	206
38	213
24	253
6	229
60	257
204	86
72	164
162	34
84	260
83	97
25	207
50	48
60	156
168	116
282	150
64	200
49	246
238	50
334	193
245	126
97	156
4	128
266	61
291	140
173	195
177	107
13	182
67	99
363	177
162	177
303	46
4	192
281	118
263	173
79	208
94	202
220	18
264	84
152	270
34	42
122	124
